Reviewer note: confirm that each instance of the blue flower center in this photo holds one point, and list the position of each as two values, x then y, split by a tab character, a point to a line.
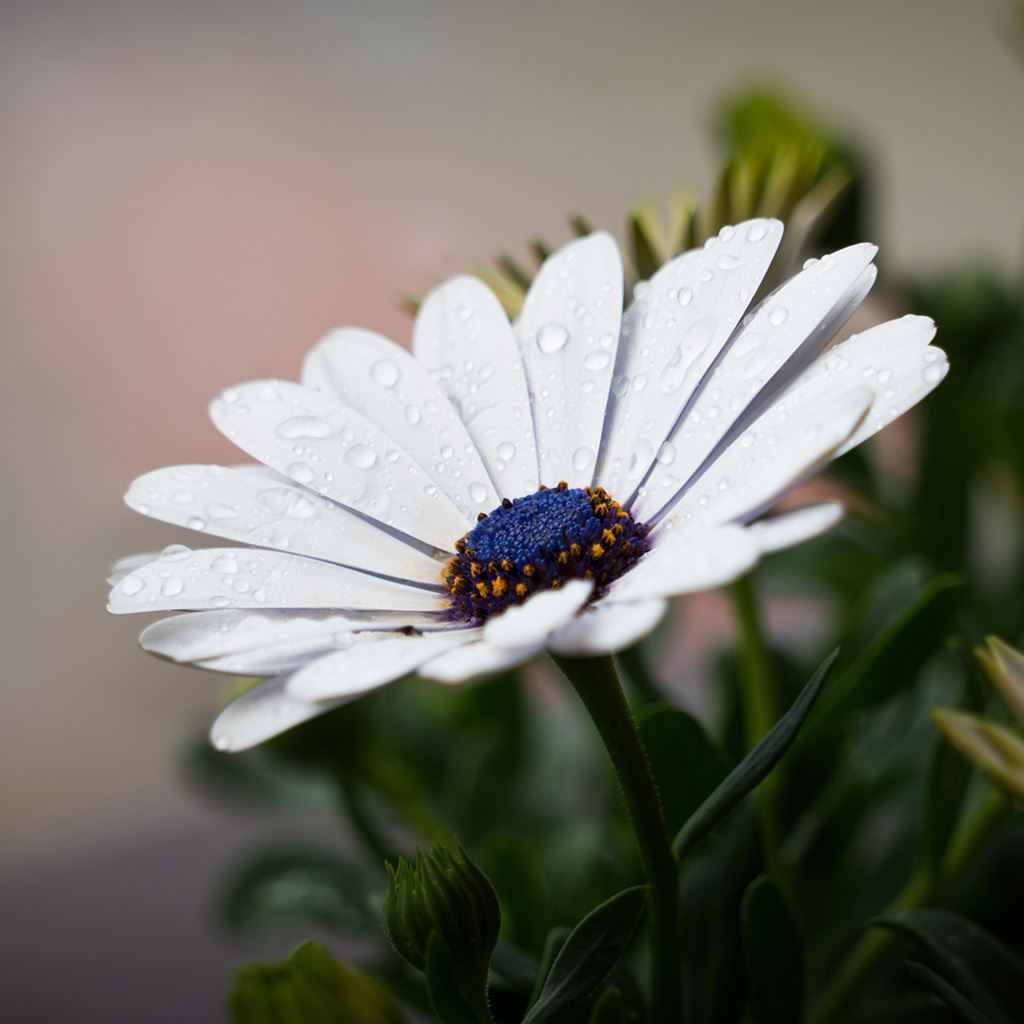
539	541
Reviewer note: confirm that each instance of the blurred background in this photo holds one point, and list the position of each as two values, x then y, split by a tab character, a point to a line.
192	194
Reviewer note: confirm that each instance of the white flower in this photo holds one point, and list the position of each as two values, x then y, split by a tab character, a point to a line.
693	413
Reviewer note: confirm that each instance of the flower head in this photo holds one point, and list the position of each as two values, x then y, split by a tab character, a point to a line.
509	487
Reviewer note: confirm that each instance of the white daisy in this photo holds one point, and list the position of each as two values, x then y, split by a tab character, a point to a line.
398	520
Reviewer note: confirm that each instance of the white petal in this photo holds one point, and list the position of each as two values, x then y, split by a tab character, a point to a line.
568	332
381	380
797	435
786	331
896	359
369	665
243	505
604	629
686	563
267	642
265	711
479	658
539	616
464	340
671	334
128	564
337	452
791	528
251	578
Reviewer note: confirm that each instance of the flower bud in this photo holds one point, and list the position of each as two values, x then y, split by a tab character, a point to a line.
443	891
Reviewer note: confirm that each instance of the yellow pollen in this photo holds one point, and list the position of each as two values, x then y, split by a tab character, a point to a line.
596	551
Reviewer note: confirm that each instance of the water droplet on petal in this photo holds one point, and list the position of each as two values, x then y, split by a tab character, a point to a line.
777	316
385	373
225	564
412	415
132	585
506	450
301	472
551	338
595	361
361	456
303	426
756	232
666	454
582	457
477	491
172	588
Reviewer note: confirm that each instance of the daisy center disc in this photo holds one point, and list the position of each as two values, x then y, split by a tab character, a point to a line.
539	541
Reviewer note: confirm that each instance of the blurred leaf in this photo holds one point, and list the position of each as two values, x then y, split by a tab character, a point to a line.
609	1008
987	976
687	766
553	944
895	655
754	767
514	865
300	884
946	993
774	956
649	250
945	788
713	988
588	955
310	987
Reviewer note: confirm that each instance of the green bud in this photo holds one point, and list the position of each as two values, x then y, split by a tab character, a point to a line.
443	891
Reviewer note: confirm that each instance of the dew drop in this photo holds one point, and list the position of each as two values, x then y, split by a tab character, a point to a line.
183	497
361	456
172	588
447	451
756	232
385	373
551	338
195	523
221	741
219	511
225	564
666	454
597	361
412	414
932	374
219	601
303	426
301	472
506	450
582	457
777	316
132	585
477	491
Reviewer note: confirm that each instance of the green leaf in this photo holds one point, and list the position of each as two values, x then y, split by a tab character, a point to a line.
945	788
774	956
446	995
895	654
687	765
987	975
712	952
609	1008
552	947
754	767
299	884
942	989
589	954
310	987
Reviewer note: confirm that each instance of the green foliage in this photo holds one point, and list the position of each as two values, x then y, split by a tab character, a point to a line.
586	957
310	987
773	954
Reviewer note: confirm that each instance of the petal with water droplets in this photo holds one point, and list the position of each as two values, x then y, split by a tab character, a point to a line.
790	528
671	334
775	342
464	340
337	452
383	382
253	578
242	505
568	334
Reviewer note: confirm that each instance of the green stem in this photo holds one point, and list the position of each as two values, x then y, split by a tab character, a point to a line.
760	712
597	683
923	888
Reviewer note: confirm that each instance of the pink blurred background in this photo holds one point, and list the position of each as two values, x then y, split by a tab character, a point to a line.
191	194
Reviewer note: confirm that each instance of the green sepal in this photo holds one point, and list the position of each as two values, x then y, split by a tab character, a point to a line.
444	983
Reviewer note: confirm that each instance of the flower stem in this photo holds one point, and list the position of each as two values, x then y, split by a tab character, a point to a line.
922	889
761	711
597	683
